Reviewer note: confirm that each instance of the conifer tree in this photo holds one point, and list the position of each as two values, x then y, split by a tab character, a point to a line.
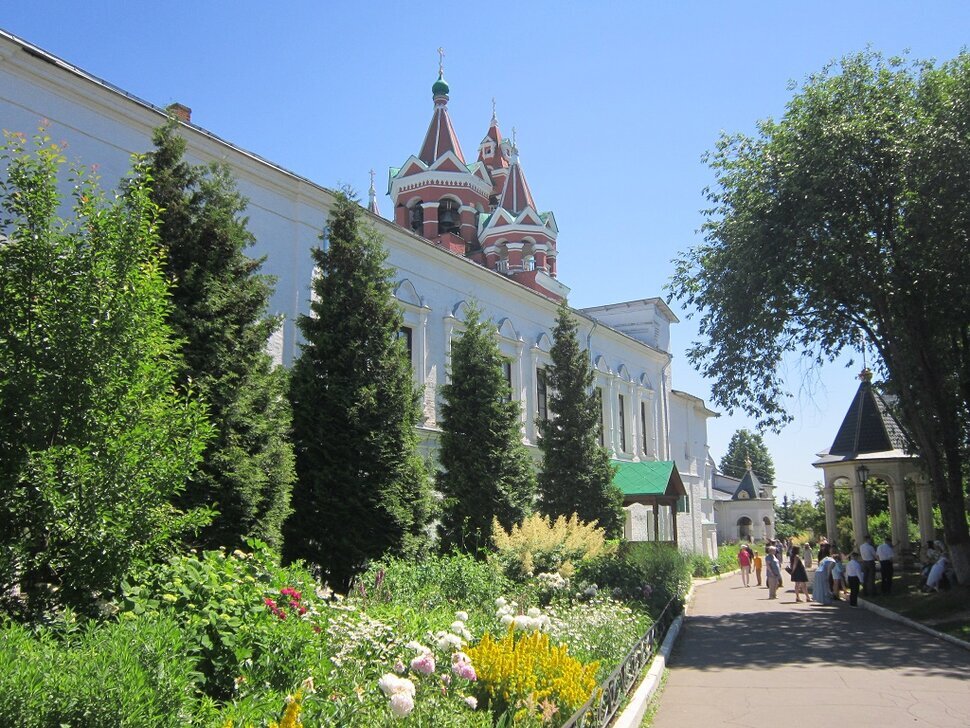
220	313
744	446
487	471
362	489
577	476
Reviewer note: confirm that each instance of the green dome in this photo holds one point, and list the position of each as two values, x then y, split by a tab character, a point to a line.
440	87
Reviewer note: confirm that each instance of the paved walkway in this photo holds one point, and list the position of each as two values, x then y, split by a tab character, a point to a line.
743	660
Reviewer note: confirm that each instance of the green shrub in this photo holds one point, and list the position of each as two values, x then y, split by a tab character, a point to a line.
239	612
109	674
702	567
540	545
643	571
454	581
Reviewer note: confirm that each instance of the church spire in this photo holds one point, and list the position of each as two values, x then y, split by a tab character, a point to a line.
516	196
372	196
441	137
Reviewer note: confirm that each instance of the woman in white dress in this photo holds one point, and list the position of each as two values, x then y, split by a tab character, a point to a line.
820	588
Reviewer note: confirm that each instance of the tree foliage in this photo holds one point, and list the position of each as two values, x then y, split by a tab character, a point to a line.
576	476
850	214
745	445
362	490
220	315
94	440
487	471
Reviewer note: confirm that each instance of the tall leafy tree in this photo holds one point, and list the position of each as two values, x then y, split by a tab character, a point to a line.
744	446
95	442
220	314
362	489
850	214
576	476
487	472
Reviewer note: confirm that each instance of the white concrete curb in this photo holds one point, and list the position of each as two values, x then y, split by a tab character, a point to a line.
632	715
897	617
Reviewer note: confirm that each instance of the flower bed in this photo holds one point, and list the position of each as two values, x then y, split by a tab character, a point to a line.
234	639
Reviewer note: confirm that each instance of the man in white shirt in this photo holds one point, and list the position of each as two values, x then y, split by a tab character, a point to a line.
853	572
885	555
868	552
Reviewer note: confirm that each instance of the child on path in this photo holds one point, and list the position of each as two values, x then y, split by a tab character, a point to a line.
757	568
853	571
838	578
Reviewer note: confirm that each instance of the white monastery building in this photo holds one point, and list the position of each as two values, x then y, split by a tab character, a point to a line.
464	229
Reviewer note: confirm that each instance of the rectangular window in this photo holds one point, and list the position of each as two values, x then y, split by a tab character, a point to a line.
542	399
683	504
622	415
643	425
406	333
507	373
599	403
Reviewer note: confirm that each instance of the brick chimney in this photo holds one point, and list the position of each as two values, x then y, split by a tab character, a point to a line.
180	112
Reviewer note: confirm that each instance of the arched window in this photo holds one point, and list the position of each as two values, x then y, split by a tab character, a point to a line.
744	528
449	219
417	218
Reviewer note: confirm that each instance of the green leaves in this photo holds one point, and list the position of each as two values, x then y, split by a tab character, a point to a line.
487	471
96	442
577	476
219	313
362	490
849	217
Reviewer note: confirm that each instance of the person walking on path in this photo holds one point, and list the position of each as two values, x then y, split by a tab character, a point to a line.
744	561
853	572
757	568
772	572
799	576
820	589
868	553
885	554
808	556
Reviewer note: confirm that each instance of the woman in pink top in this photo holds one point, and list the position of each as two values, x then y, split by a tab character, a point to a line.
744	561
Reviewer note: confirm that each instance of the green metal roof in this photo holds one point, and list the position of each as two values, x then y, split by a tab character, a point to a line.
648	478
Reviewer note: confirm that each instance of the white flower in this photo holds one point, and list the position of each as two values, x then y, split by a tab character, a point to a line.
534	612
457	626
461	616
449	642
507	619
500	602
391	685
401	704
472	702
416	646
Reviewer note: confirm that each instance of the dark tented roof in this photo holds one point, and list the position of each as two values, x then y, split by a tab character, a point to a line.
868	426
749	484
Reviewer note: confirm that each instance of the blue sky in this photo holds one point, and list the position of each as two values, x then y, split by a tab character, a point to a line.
614	104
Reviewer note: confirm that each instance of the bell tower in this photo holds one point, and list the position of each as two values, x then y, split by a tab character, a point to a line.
436	194
484	210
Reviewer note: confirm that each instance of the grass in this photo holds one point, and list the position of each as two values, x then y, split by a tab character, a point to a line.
654	705
945	611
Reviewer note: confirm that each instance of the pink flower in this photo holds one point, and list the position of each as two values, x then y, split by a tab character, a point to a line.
472	702
423	663
399	667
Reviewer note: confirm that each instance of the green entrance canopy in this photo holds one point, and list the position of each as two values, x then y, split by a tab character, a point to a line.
648	482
